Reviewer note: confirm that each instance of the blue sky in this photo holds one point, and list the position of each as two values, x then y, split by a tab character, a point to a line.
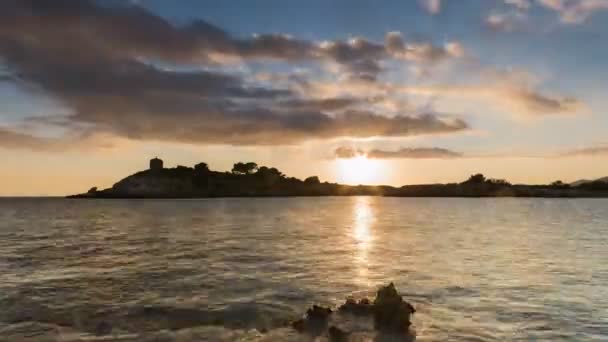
514	87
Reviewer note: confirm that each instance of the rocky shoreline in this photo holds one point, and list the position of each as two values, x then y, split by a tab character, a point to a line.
391	317
385	318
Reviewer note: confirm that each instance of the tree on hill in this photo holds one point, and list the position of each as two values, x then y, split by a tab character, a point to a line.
269	176
476	179
312	180
201	168
264	171
244	168
559	184
502	182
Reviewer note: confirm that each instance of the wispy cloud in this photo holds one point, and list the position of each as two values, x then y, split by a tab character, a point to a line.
601	150
520	4
348	152
506	22
431	6
575	11
402	153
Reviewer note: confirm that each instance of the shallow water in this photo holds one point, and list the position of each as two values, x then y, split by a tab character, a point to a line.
226	269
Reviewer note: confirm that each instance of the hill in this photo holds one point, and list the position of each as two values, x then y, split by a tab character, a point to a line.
586	181
251	180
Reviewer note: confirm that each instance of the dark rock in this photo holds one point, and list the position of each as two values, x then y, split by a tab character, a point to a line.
337	335
298	325
363	307
318	313
103	328
350	302
391	312
315	321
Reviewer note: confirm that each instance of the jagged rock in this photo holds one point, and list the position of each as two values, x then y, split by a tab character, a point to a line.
348	305
315	321
391	312
391	315
318	313
337	335
363	307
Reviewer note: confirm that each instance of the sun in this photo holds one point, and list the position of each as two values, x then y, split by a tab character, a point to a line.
359	170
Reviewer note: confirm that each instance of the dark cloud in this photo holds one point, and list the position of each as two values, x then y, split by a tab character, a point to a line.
131	30
403	153
96	60
343	152
415	153
138	101
329	104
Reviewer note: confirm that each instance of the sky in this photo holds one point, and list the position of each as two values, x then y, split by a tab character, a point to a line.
355	91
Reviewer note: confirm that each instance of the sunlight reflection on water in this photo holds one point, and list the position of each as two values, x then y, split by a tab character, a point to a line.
362	234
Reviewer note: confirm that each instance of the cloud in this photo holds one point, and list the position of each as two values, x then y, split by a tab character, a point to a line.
107	71
512	91
505	22
570	12
519	4
414	153
13	140
514	99
403	153
141	102
349	152
130	31
421	51
531	102
431	6
601	150
327	104
343	152
575	11
22	140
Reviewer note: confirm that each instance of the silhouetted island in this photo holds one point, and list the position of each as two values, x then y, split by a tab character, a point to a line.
251	180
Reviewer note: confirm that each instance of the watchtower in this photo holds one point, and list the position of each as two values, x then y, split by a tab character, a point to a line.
156	164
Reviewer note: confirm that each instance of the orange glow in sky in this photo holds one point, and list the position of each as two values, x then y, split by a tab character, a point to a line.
360	170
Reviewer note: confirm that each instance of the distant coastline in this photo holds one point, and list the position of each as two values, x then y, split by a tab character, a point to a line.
251	180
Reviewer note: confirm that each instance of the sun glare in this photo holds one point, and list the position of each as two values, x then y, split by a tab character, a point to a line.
360	170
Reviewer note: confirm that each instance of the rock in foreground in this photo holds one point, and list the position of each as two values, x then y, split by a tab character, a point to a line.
391	315
391	312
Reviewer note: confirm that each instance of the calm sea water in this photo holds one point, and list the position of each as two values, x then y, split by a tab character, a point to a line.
226	269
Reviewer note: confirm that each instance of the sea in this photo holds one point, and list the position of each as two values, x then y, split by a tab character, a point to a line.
242	269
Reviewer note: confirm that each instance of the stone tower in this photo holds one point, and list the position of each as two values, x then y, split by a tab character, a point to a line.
156	164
